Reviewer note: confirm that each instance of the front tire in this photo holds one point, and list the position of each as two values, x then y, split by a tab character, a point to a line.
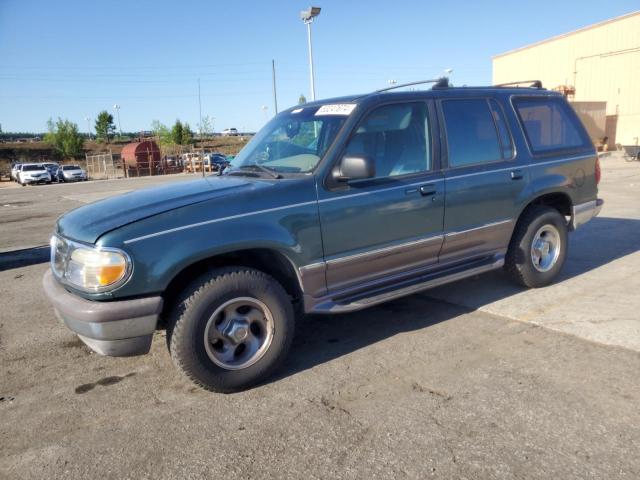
538	248
230	329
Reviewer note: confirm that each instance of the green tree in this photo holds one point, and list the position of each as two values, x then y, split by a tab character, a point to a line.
302	99
65	137
176	133
105	128
181	133
161	131
187	134
206	126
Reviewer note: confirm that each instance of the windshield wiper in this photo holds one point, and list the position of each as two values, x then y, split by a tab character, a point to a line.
269	171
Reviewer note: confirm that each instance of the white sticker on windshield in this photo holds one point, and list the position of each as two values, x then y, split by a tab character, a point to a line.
336	109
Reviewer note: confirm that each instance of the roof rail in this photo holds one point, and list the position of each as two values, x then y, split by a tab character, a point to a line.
534	84
441	82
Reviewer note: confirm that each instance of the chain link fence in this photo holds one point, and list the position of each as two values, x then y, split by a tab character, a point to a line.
104	166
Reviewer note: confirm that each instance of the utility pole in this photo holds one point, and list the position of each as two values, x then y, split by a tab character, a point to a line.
117	108
275	96
200	126
88	126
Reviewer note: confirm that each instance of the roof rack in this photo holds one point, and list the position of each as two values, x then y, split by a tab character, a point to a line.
441	82
534	84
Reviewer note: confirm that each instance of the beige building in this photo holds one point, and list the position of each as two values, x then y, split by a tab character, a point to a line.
596	64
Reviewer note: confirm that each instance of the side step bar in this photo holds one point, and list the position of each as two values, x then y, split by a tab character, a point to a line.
354	302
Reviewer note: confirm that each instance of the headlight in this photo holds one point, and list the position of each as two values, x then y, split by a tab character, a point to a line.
88	268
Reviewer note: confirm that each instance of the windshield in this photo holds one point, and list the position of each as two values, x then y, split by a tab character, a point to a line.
32	168
71	167
293	142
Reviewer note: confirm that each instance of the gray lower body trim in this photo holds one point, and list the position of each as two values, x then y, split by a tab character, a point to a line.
583	212
329	304
118	328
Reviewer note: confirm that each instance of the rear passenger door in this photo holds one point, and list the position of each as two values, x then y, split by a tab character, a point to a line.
483	178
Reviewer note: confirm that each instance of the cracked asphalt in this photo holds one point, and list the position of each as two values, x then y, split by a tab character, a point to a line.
467	382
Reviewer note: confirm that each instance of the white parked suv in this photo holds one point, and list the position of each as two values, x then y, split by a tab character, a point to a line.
33	173
230	132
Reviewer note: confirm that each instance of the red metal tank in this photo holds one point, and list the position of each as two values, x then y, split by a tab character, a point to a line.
142	158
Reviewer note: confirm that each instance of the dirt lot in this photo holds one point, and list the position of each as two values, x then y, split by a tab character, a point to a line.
461	382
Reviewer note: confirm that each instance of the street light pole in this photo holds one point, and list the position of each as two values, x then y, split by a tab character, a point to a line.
307	17
313	80
117	108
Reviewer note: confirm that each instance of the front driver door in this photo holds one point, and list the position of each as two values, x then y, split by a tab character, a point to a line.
392	224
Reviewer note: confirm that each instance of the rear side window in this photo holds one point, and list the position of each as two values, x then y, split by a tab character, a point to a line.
550	125
472	137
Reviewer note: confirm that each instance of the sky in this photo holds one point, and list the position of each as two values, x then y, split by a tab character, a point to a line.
72	59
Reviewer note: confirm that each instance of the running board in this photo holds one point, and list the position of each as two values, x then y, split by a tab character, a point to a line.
359	301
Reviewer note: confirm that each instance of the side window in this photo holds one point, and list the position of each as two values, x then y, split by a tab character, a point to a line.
396	137
503	131
550	125
471	132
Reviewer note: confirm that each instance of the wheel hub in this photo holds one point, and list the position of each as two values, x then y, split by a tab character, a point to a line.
238	333
237	330
545	248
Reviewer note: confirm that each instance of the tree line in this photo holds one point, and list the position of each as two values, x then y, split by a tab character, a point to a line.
68	142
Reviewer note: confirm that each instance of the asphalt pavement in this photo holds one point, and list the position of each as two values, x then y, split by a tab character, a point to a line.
476	380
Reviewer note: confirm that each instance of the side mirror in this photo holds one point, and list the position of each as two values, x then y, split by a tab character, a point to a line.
355	167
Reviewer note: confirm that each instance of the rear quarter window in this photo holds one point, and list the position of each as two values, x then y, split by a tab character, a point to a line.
550	125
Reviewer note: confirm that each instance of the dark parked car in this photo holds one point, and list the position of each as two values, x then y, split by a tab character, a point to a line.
218	161
51	167
334	206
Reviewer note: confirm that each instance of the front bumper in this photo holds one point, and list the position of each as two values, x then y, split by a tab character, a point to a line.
119	328
583	212
36	180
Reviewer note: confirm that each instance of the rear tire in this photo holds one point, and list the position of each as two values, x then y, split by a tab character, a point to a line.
538	247
230	329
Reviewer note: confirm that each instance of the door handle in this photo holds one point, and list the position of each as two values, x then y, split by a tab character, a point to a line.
426	190
516	175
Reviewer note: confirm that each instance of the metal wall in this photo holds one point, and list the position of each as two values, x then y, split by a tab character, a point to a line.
602	63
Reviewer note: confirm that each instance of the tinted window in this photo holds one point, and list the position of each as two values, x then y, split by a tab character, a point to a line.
503	130
396	137
550	124
32	168
471	132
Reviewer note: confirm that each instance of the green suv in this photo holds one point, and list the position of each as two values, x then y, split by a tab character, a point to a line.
334	206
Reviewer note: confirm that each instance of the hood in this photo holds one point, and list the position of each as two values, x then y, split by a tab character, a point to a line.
88	223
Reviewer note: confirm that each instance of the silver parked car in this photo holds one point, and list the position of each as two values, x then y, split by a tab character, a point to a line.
33	173
71	173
